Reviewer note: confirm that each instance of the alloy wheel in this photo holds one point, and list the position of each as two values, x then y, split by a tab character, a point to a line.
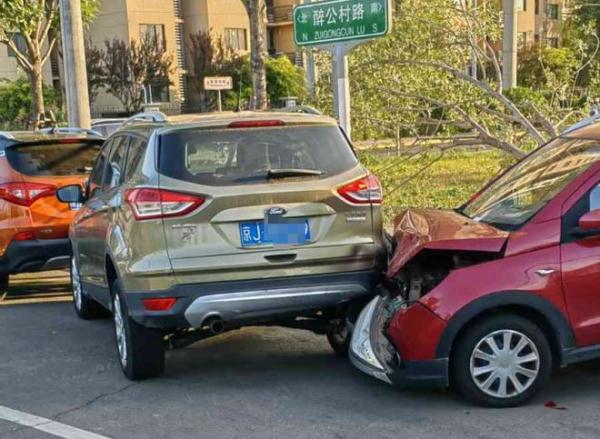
120	330
504	364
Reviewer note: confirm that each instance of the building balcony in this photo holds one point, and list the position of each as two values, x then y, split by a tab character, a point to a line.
280	15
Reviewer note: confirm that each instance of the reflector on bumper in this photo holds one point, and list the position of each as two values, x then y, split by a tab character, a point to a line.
362	354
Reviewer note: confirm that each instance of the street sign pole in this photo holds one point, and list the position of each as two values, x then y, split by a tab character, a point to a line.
219	103
341	85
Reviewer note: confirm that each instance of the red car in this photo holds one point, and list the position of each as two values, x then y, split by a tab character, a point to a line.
491	297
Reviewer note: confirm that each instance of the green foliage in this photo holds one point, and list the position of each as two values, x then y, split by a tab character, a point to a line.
432	179
15	99
413	83
545	68
283	79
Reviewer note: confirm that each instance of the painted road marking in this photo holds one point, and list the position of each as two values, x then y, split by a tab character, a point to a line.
46	425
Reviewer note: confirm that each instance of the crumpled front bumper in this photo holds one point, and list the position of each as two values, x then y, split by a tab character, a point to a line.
369	346
362	355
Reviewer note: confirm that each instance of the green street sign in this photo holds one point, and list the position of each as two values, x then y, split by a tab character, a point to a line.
328	22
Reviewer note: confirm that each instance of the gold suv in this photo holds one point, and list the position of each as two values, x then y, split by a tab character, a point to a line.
195	225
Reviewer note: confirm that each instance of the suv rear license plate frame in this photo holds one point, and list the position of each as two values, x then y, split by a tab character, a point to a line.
294	231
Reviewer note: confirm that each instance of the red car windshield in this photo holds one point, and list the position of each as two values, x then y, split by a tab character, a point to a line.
520	193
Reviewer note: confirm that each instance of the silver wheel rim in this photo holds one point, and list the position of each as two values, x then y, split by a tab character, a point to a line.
76	284
504	364
120	330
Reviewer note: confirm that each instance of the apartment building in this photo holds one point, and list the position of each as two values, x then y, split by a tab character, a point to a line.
170	22
280	30
539	21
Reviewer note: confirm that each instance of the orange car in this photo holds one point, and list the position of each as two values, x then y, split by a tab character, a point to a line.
33	223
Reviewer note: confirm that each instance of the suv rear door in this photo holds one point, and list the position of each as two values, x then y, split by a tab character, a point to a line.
37	169
296	174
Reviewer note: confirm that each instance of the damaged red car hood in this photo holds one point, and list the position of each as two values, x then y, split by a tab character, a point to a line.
418	229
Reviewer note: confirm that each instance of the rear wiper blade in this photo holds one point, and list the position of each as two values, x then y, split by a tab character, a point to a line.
291	172
280	173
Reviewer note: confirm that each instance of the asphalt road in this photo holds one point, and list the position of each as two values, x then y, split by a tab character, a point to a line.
254	383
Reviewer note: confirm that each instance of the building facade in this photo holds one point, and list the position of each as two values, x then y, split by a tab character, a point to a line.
170	22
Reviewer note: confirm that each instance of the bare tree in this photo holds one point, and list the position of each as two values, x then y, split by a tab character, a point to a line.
95	69
129	67
257	12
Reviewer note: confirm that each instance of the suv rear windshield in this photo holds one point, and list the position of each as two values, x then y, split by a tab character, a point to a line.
53	158
230	156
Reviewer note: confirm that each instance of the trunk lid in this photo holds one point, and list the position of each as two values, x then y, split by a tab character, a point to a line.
418	229
255	224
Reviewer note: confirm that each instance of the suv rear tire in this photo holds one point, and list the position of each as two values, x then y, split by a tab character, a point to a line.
338	337
140	350
501	361
85	307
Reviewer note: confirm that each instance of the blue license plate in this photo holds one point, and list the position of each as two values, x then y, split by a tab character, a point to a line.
254	233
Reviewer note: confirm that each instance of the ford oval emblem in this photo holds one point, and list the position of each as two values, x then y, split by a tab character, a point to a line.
276	211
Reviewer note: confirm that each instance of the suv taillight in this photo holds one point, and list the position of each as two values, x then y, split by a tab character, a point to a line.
148	203
25	193
363	191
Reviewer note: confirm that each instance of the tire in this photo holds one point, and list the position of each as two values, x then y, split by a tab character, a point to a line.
140	350
85	307
498	372
339	337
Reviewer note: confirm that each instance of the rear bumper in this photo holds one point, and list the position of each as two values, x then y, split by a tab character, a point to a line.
365	356
36	255
253	301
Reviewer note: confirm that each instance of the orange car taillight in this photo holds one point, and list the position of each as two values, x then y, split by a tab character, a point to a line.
25	193
148	203
363	191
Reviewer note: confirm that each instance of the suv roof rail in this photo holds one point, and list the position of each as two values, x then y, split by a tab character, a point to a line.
148	116
591	119
70	130
6	135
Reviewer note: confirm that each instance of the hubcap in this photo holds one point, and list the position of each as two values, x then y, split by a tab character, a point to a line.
120	330
76	284
504	364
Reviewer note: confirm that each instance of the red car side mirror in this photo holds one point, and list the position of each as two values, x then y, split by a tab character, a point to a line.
590	221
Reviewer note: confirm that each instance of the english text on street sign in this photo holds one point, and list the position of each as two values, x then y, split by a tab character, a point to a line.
218	83
337	21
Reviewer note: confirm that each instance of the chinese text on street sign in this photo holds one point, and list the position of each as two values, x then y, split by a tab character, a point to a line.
337	21
218	83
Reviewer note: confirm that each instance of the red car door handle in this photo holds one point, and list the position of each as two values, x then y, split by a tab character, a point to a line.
545	271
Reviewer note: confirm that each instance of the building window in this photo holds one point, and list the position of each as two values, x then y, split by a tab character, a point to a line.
19	42
537	7
236	38
552	11
521	5
552	42
159	91
155	33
